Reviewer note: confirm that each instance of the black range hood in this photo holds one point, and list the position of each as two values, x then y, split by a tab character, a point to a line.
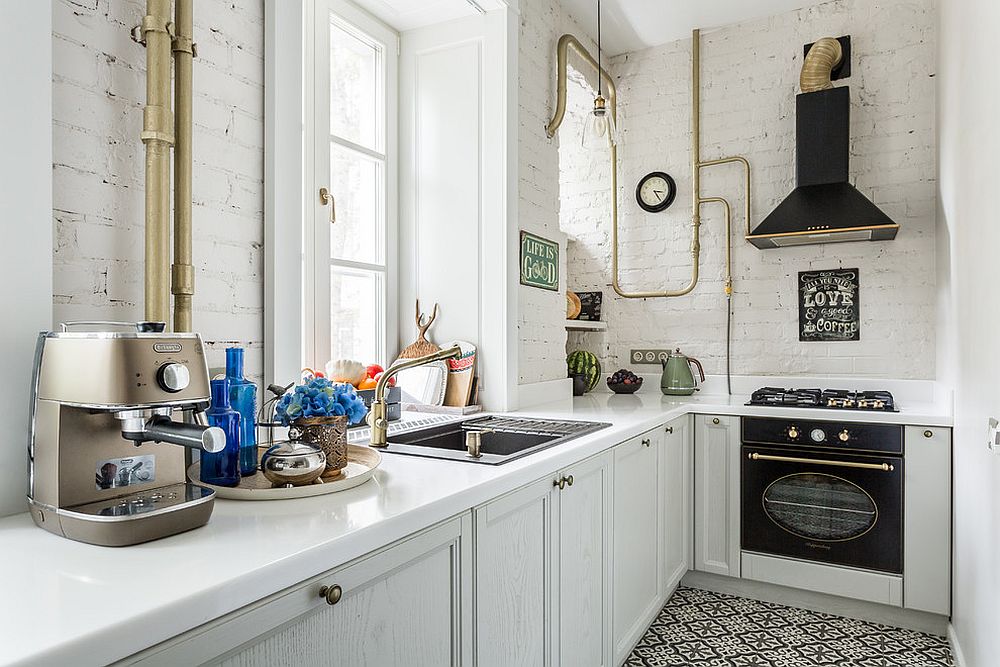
824	208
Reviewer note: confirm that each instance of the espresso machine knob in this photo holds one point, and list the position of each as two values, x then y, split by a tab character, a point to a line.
173	377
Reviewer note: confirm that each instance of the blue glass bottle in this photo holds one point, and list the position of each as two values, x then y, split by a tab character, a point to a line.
243	398
222	468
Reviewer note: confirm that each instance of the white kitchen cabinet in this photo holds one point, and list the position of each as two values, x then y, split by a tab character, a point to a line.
584	593
927	520
407	605
639	571
717	494
542	571
677	475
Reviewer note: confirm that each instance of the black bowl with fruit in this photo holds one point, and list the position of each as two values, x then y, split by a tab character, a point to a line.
624	382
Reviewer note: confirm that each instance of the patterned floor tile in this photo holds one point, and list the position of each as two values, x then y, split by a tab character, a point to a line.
699	628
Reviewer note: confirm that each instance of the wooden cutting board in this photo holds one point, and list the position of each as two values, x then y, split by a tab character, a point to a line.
461	374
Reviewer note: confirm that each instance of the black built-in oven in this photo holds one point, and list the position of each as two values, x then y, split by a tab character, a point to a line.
824	491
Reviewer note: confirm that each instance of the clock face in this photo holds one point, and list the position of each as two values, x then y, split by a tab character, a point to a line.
656	192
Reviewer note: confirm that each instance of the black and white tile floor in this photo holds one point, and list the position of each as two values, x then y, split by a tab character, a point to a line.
698	628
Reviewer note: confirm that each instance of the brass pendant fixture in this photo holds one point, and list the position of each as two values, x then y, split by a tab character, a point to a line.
600	129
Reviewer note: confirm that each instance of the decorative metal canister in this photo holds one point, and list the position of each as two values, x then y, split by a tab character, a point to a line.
327	433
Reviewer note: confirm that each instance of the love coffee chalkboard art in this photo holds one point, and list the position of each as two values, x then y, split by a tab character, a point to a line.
828	305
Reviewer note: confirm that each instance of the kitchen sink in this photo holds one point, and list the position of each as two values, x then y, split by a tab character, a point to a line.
501	438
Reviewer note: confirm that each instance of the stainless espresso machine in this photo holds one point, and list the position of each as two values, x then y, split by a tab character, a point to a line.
107	409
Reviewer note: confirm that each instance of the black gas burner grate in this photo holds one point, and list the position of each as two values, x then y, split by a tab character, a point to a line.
836	399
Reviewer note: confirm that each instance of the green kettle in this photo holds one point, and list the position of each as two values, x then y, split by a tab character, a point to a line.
678	378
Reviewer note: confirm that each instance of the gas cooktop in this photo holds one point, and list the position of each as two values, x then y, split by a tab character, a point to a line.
837	399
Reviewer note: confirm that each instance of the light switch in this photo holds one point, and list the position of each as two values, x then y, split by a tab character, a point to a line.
993	436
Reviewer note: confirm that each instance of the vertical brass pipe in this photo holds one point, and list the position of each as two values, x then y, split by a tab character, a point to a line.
158	137
182	271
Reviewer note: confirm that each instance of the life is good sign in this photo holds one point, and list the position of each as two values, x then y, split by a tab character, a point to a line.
828	305
539	262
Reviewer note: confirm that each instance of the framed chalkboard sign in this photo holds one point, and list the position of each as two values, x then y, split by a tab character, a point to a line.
539	262
829	308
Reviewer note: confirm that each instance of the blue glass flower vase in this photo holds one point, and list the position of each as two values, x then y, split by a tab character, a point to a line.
243	398
222	468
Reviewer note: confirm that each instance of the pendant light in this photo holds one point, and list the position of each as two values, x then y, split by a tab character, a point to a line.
599	129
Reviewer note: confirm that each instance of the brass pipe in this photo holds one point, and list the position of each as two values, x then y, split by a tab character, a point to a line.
567	42
182	271
158	137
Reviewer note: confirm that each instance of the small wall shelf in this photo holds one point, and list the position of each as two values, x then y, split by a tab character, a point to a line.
584	325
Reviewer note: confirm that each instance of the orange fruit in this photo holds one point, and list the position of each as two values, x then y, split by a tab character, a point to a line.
368	383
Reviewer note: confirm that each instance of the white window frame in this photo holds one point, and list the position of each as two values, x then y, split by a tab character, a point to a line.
315	258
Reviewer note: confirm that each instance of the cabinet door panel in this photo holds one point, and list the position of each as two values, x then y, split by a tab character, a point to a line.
399	619
677	493
406	604
584	558
717	495
927	520
638	564
515	569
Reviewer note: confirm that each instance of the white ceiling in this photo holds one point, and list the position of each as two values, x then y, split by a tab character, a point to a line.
632	25
409	14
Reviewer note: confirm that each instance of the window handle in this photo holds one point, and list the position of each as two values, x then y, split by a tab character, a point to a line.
326	199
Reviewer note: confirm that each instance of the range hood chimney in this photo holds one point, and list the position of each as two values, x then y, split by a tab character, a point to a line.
824	208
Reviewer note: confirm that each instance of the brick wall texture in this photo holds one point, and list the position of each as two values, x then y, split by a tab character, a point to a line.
749	81
98	86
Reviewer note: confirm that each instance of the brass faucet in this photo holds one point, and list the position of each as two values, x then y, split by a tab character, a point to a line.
376	416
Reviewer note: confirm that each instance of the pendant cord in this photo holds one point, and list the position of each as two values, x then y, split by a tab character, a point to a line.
599	65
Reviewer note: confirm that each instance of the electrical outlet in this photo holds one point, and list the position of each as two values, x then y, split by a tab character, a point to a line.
648	356
993	436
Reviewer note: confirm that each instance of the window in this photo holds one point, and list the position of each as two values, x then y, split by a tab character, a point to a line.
348	243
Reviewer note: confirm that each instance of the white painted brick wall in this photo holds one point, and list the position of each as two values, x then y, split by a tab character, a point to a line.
98	90
542	314
749	78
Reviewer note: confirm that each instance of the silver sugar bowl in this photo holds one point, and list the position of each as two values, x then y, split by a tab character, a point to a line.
292	463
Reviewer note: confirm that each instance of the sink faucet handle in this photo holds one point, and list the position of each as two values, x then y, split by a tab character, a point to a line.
473	443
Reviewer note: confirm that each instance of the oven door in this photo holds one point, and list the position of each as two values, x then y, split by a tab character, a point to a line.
828	507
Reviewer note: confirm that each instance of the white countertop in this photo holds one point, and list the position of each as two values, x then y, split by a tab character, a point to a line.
67	602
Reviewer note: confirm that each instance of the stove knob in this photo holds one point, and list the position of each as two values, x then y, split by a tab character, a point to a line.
844	436
793	432
173	377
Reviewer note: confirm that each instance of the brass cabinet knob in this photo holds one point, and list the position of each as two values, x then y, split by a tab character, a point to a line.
717	421
331	594
646	441
670	429
561	483
569	480
844	436
928	434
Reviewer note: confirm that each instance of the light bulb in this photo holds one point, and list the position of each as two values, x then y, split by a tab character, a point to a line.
599	130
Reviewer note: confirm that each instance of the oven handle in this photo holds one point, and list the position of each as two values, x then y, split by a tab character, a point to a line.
884	467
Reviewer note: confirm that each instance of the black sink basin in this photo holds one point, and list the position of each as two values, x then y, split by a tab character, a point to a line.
502	438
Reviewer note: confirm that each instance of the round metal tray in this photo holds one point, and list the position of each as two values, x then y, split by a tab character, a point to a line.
361	465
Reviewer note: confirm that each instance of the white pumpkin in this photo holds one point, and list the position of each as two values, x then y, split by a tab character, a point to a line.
346	370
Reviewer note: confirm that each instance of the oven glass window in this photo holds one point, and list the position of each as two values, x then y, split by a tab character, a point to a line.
820	507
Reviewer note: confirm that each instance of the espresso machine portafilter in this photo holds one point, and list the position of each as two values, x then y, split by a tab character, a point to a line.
108	408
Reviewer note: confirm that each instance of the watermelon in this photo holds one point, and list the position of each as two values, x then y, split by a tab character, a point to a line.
586	363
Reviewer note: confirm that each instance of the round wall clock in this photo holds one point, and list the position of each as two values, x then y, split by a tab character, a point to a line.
656	191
